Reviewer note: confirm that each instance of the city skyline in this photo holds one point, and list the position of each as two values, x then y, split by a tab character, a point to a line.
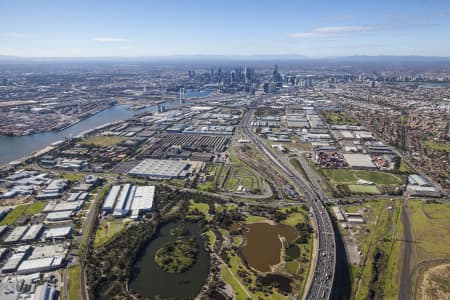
324	29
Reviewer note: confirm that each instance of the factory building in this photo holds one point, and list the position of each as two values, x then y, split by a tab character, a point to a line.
14	261
16	235
161	169
110	201
120	209
40	265
58	216
3	229
421	186
58	233
63	206
359	161
45	292
123	199
142	200
33	233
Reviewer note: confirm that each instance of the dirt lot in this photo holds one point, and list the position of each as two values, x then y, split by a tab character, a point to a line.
435	283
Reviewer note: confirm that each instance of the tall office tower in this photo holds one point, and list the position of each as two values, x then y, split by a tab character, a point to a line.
181	95
276	75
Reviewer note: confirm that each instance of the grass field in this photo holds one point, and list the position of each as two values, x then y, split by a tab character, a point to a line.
405	168
292	267
211	238
35	208
245	176
227	276
294	217
252	219
104	141
338	118
382	231
72	176
206	186
201	207
349	176
74	283
436	146
364	189
107	230
352	208
298	167
12	216
431	225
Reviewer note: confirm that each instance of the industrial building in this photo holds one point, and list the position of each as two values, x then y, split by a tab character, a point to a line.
142	201
110	201
123	199
58	216
359	161
63	206
45	292
58	233
3	229
161	169
421	186
33	233
13	262
122	206
40	265
338	213
15	236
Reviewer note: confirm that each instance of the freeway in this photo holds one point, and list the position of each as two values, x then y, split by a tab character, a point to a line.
324	269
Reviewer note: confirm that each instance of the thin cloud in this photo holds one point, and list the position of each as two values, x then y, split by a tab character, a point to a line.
15	35
332	31
109	40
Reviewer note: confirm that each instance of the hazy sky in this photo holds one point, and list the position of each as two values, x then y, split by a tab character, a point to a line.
140	28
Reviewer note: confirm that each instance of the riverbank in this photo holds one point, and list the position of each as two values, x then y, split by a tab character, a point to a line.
20	148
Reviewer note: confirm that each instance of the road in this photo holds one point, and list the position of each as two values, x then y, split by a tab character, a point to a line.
408	240
323	276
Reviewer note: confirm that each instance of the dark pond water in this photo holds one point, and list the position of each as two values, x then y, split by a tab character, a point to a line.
150	280
293	251
279	281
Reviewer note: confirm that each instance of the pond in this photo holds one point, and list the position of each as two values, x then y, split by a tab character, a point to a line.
262	248
149	280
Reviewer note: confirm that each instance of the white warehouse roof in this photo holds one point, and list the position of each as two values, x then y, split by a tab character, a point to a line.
160	168
143	199
39	265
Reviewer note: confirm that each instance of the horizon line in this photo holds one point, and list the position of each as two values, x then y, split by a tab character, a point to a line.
228	56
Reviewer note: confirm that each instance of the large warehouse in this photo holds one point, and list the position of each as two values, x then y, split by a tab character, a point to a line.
142	201
40	265
359	161
125	198
161	169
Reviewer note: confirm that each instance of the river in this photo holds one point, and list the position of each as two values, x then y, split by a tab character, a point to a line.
16	147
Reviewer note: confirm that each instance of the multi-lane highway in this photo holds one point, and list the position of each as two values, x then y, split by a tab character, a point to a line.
323	276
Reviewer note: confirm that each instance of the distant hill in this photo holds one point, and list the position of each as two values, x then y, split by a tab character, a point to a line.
224	58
